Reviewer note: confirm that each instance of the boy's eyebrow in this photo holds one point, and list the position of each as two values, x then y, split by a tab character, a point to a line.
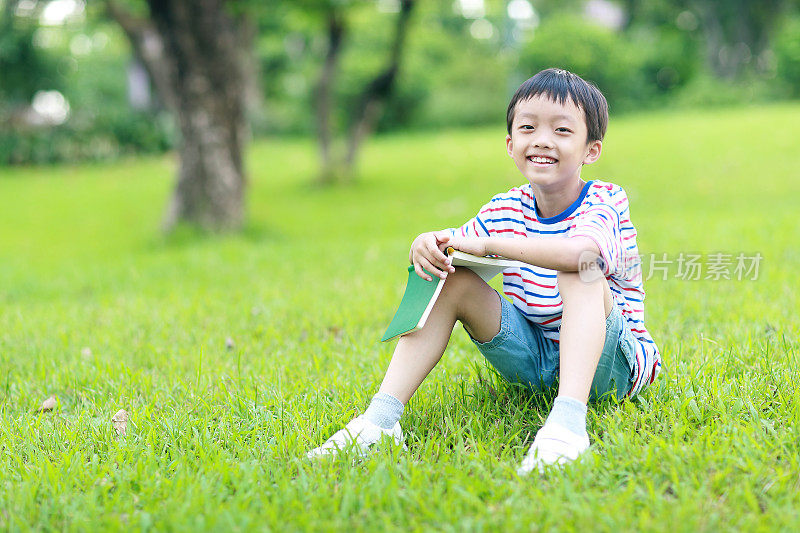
555	117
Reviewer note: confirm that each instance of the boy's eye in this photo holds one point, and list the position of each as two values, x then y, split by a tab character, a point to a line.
563	130
526	127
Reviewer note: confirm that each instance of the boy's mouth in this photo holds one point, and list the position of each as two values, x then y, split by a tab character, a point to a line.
542	160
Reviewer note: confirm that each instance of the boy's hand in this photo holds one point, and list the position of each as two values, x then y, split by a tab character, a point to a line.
427	251
470	245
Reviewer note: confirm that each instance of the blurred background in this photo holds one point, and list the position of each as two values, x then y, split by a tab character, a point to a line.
88	81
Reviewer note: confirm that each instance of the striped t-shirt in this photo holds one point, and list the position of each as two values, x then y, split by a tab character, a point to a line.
600	213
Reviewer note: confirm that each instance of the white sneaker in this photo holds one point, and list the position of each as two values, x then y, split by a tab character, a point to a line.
359	435
553	445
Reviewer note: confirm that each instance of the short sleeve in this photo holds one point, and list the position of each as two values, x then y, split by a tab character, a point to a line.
476	226
502	216
600	222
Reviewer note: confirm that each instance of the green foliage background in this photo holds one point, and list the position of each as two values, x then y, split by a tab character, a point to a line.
448	78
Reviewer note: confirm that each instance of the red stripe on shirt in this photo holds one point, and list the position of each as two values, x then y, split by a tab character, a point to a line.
493	209
515	232
542	285
504	208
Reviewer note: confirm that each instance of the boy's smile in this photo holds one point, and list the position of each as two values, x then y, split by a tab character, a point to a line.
542	160
548	145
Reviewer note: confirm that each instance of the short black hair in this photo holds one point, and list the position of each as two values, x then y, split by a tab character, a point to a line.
558	85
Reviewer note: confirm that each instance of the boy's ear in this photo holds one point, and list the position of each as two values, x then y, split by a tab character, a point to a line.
595	147
509	146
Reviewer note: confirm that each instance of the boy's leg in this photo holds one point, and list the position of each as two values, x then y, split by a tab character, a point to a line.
586	305
465	297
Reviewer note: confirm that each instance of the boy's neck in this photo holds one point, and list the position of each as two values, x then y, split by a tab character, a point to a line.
552	202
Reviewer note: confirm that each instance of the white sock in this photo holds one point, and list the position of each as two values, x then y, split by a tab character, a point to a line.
384	411
569	413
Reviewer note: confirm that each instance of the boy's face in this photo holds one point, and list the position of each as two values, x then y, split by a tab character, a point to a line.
548	143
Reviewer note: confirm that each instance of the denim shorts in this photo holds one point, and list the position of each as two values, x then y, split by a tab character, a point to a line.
521	354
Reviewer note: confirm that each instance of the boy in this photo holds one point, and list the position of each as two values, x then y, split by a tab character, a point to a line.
576	315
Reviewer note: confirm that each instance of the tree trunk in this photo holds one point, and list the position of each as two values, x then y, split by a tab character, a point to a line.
715	39
336	165
192	50
377	91
736	32
323	97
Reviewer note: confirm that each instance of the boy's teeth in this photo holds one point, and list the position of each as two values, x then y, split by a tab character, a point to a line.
542	160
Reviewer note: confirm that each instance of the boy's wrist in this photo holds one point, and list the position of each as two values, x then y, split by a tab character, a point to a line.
490	246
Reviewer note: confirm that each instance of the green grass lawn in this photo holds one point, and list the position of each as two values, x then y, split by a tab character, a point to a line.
100	310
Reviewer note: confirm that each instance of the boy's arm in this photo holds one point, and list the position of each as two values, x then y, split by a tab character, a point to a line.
567	254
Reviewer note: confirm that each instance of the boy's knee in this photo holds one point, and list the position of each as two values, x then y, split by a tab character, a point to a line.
462	280
465	288
570	283
474	302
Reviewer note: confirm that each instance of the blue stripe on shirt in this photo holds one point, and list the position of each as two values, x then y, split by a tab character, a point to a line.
536	273
482	225
511	199
505	220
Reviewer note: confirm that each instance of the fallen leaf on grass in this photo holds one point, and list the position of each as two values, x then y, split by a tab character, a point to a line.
47	405
120	422
336	332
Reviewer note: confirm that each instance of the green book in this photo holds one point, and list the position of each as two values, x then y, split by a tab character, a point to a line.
421	294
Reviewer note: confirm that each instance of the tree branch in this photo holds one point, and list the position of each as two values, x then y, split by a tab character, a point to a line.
148	47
